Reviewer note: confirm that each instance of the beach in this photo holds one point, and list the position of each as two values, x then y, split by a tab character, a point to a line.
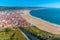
41	24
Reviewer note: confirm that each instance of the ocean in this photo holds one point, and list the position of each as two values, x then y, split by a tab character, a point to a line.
51	15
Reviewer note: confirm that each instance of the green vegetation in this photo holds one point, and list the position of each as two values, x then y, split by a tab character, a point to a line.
11	34
8	8
42	35
18	35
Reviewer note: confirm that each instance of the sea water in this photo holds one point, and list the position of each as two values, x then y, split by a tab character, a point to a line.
48	14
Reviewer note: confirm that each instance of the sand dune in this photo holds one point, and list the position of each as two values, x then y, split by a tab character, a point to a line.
42	25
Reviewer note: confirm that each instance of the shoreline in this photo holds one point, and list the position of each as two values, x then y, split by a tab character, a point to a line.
41	24
44	20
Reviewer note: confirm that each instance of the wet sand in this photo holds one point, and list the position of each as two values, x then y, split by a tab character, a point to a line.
41	24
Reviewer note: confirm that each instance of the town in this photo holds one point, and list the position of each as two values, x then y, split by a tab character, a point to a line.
12	19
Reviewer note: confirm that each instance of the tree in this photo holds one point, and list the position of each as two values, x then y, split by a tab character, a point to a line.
6	30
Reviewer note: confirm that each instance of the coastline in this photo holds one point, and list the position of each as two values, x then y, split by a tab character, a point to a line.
41	24
45	21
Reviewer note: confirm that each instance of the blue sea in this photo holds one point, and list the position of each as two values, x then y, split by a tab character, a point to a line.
48	14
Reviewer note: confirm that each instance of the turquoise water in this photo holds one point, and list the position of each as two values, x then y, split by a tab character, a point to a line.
49	14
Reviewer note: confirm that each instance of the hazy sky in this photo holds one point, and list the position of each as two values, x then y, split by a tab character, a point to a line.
31	3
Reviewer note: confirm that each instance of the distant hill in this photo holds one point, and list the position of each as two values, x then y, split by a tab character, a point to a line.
17	8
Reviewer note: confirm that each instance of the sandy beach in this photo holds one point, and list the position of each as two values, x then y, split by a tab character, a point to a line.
41	24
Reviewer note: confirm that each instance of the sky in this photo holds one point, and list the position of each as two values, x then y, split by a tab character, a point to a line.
31	3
